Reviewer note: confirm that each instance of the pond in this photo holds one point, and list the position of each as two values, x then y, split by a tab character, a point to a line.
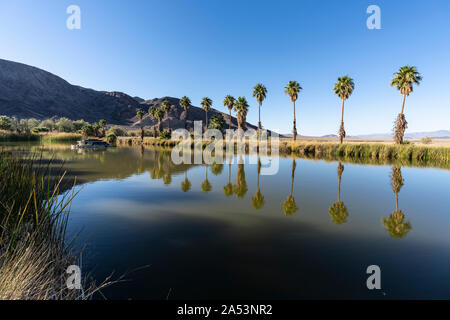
224	231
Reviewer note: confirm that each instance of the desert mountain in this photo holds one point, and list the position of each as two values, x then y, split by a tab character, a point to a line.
29	92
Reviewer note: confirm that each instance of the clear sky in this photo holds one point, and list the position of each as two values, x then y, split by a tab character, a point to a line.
216	47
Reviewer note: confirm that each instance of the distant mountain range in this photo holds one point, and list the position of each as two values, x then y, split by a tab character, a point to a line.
29	92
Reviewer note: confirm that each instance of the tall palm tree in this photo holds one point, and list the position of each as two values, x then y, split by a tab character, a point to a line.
185	102
159	114
152	113
289	206
258	198
166	107
260	92
206	105
343	89
229	103
140	114
404	80
395	224
103	124
241	107
292	90
338	211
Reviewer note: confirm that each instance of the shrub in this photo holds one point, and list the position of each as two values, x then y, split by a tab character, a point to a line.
64	125
164	134
5	123
117	131
426	140
40	130
87	130
111	138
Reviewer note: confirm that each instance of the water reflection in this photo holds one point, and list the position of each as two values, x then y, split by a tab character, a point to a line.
228	188
240	188
258	198
395	223
338	211
206	185
289	206
186	184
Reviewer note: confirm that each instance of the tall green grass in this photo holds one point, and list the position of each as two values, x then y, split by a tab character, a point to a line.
34	254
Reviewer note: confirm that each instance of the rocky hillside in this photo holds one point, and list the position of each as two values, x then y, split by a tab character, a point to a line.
29	92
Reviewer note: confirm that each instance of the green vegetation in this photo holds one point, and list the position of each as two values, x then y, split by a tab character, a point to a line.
33	218
217	123
166	107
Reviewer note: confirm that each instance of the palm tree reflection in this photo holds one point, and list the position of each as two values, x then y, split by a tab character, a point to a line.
289	206
258	198
186	184
228	188
206	185
338	211
395	223
240	188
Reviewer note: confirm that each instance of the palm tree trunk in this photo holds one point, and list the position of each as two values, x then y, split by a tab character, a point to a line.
294	132
159	126
341	129
185	120
229	124
293	176
396	201
168	123
259	116
206	126
403	103
339	189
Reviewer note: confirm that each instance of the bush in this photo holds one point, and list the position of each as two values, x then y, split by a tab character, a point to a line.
164	134
87	130
117	131
65	125
40	130
111	138
426	140
5	123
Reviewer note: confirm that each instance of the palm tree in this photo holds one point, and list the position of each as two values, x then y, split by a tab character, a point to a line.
103	124
185	102
152	113
159	114
338	211
206	185
343	88
289	206
229	103
206	105
140	114
395	224
186	184
228	188
166	107
258	198
404	80
292	90
241	107
260	92
216	168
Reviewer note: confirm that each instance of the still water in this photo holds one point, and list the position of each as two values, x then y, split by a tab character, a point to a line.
224	231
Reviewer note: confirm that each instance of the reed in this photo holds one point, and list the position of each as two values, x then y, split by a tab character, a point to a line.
33	219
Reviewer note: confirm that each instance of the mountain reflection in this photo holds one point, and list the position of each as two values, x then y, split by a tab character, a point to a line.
395	224
338	211
289	206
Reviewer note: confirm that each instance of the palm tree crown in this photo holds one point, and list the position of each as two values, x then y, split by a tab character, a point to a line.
140	114
292	90
206	103
344	87
259	92
166	107
405	78
229	102
185	102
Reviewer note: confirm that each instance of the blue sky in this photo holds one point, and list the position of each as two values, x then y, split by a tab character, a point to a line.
215	47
